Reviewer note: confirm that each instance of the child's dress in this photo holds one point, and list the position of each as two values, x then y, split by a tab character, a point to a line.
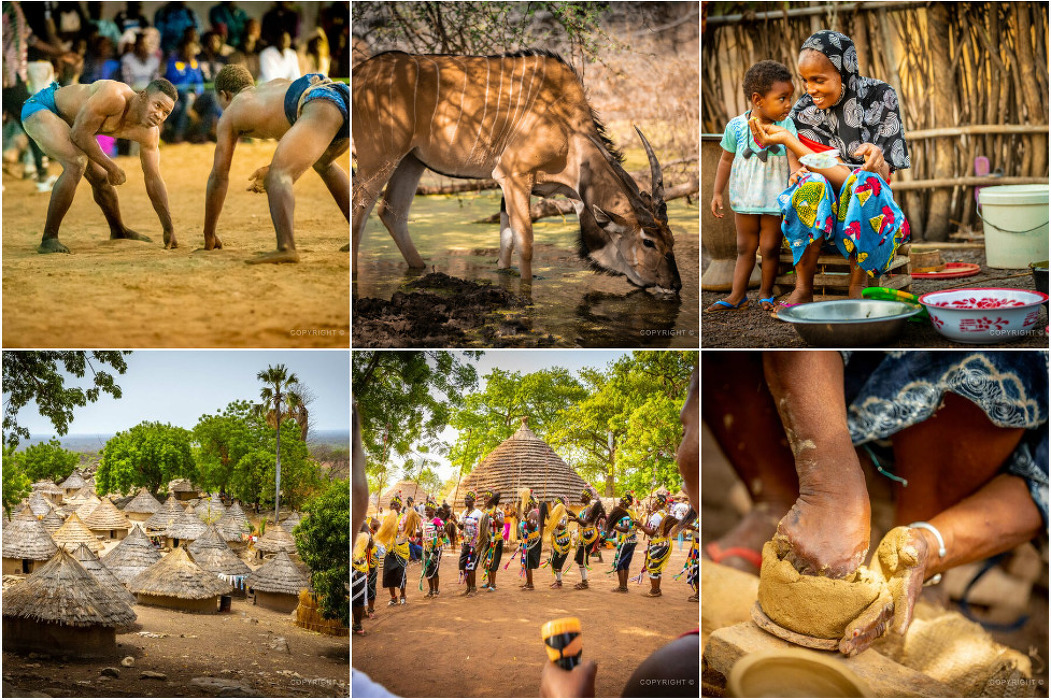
758	174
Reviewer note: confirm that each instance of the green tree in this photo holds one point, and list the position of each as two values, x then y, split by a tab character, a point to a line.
150	454
47	460
16	483
37	376
277	382
323	541
253	479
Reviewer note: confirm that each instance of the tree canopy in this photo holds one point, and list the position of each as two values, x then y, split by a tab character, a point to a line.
15	481
37	376
149	454
44	460
323	541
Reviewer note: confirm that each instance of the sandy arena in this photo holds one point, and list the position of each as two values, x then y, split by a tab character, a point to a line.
490	646
131	294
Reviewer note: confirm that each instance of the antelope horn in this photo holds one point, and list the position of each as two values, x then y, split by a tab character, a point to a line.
656	178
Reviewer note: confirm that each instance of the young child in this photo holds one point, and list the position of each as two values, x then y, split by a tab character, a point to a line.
756	176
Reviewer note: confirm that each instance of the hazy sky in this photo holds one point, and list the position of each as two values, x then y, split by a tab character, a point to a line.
179	386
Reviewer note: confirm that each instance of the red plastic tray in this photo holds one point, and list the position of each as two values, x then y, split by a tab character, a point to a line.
951	271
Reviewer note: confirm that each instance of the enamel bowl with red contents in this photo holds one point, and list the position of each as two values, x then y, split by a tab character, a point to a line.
984	314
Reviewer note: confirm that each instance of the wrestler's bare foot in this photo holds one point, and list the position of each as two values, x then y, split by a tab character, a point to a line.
751	533
128	235
51	245
278	256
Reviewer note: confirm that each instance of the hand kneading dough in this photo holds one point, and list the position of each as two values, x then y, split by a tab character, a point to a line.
813	605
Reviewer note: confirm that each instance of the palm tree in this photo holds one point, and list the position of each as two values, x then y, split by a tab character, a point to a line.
277	381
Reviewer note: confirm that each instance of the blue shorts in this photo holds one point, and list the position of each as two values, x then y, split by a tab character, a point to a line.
315	86
45	99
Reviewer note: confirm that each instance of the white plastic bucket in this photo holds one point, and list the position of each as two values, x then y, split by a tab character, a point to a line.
1015	219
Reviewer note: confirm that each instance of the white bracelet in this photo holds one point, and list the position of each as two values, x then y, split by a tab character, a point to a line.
923	525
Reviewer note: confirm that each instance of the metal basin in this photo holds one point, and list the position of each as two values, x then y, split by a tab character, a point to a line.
848	323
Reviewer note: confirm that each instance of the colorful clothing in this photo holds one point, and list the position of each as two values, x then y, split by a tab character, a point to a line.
561	541
587	535
360	570
867	110
433	540
397	558
626	542
529	529
495	551
659	549
468	550
864	223
758	174
43	100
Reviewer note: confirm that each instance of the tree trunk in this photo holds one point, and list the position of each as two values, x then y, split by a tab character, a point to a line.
1034	106
277	492
942	96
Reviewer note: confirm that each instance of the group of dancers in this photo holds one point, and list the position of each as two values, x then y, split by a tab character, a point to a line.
483	532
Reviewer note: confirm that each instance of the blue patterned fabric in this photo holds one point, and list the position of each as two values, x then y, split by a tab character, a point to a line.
864	222
888	392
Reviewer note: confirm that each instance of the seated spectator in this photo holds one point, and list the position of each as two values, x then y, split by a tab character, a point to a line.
248	51
210	57
104	27
173	19
279	61
70	21
185	74
233	18
131	18
280	18
99	63
317	56
139	67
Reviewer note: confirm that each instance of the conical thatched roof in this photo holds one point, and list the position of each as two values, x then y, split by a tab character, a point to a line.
88	507
279	575
276	539
177	576
132	556
48	487
53	521
27	538
84	494
523	460
181	486
73	481
231	529
186	527
63	592
407	489
168	513
39	505
106	579
7	520
210	510
144	502
107	517
235	512
211	553
73	533
292	520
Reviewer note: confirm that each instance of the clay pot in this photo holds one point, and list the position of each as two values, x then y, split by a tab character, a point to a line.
718	236
794	673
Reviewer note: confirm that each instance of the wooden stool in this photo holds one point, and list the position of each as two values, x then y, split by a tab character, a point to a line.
832	277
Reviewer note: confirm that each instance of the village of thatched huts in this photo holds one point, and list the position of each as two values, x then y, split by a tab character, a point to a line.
158	523
91	502
72	484
108	522
212	554
26	544
140	508
53	520
233	529
186	528
132	556
62	609
210	510
277	583
275	539
182	489
177	582
73	533
39	504
104	576
49	490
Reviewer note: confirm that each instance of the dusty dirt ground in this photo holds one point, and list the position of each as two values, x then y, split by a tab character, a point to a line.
131	294
231	646
719	515
754	328
489	645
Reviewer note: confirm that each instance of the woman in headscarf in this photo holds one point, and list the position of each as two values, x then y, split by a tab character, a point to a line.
850	139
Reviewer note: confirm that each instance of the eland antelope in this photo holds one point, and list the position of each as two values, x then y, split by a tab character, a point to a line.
522	119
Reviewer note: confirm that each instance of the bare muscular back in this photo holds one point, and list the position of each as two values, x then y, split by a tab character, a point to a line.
259	112
73	99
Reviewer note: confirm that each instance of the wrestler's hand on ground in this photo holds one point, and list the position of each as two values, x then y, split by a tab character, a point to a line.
257	182
873	157
794	177
717	206
116	176
578	683
900	561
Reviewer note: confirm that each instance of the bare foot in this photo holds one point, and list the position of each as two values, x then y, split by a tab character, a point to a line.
51	245
128	235
800	296
278	256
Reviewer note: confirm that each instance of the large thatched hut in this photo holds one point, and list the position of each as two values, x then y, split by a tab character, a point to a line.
277	583
72	484
140	508
274	540
91	502
49	490
73	533
39	504
523	460
158	523
407	489
104	576
108	522
132	556
53	520
26	544
212	554
62	609
177	582
186	528
232	529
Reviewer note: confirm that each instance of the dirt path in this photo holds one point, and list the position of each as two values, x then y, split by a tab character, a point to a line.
489	645
234	647
752	327
130	294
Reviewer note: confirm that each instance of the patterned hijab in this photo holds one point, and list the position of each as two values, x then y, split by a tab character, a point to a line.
867	110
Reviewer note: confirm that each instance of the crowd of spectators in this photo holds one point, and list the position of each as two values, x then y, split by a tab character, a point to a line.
71	42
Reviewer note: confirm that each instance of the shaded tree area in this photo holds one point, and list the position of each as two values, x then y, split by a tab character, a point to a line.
323	542
149	454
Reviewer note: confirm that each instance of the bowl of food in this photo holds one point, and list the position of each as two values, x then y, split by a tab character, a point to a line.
982	315
846	323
